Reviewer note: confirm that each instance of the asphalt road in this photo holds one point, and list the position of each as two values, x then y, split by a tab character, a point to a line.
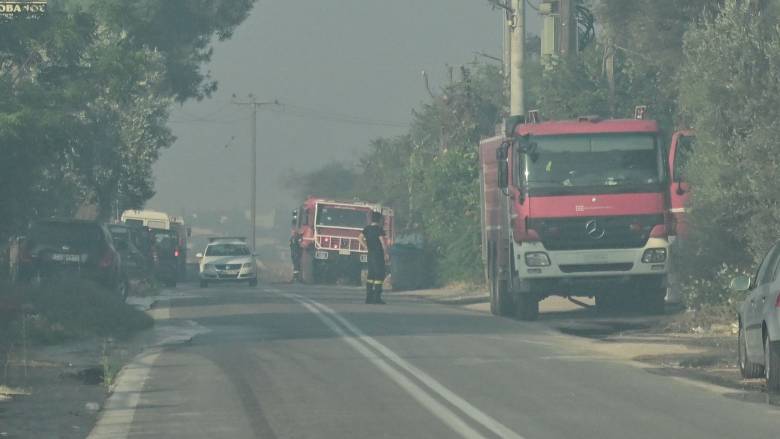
315	362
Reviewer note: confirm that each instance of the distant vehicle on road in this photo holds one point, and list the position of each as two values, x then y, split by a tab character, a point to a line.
227	259
328	232
165	253
55	248
163	221
134	244
759	321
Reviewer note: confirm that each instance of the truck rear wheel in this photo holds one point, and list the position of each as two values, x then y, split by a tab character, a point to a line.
307	267
356	275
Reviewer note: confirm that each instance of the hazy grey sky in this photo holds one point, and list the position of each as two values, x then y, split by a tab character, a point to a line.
358	58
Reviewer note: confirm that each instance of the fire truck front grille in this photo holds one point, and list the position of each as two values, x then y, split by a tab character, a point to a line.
586	233
590	268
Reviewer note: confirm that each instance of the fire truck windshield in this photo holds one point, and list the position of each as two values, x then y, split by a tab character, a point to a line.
342	217
603	163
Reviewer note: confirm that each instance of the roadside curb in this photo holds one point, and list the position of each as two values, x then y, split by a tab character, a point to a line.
455	301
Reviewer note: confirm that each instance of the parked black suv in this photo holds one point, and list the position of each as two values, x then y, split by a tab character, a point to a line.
56	248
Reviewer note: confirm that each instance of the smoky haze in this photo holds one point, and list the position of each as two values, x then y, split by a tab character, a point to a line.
338	66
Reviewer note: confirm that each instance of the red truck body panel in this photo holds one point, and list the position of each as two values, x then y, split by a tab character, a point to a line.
679	189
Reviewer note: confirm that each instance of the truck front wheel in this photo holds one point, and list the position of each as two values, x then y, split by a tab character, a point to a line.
651	297
527	306
501	303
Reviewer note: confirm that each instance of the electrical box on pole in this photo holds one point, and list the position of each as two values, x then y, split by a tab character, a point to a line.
559	29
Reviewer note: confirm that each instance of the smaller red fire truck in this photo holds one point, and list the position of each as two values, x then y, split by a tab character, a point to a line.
328	231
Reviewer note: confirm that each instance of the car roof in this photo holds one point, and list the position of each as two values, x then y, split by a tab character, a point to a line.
226	241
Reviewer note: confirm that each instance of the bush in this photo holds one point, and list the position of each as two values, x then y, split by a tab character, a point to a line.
69	309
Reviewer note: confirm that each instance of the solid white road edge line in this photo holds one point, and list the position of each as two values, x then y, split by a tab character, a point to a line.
446	415
119	412
473	412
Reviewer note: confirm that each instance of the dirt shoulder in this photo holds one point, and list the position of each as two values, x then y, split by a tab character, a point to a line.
698	346
57	390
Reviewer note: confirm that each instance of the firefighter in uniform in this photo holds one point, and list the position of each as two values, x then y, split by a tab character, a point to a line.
295	253
371	238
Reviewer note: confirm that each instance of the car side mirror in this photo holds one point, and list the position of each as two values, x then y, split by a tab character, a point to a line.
740	283
199	255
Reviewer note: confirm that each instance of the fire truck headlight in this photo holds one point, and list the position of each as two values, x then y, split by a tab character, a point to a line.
654	256
537	259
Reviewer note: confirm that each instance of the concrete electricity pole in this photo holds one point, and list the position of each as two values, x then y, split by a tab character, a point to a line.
517	58
252	102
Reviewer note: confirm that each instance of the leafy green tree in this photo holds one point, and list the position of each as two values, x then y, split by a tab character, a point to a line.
85	94
730	87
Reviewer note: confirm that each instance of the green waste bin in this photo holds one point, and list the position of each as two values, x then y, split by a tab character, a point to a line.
408	267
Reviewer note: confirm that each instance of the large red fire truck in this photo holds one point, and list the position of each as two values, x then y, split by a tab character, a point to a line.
575	208
328	232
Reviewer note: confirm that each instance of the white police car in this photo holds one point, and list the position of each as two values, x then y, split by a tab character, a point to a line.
227	260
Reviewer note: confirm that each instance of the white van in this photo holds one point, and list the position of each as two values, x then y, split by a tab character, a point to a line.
147	218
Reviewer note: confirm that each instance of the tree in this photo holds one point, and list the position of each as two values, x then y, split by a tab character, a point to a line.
85	94
730	86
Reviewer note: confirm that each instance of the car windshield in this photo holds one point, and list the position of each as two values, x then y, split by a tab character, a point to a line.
166	240
76	236
342	217
588	161
227	250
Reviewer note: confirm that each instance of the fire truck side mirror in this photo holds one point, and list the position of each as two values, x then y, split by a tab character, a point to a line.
503	174
502	163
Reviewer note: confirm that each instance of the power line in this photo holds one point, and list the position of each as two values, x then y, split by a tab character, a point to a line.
297	111
326	115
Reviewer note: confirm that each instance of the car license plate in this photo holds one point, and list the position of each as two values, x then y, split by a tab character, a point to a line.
364	258
60	257
344	252
230	272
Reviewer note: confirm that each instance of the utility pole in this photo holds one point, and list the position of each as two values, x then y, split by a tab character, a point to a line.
254	103
517	57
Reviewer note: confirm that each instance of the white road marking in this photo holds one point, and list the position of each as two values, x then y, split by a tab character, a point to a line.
358	336
446	415
119	412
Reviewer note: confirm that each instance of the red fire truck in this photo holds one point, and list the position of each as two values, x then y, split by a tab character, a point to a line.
575	208
329	244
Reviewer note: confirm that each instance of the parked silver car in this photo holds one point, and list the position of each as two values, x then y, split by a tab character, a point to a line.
759	321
